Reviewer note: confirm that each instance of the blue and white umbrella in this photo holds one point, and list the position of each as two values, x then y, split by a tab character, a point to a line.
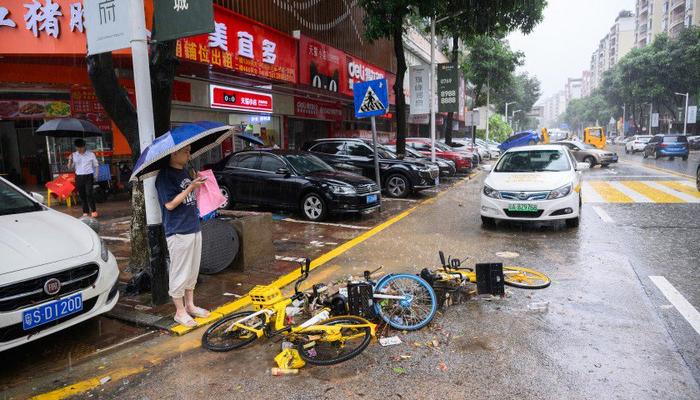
202	136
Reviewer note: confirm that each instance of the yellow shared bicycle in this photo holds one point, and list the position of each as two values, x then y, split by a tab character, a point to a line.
321	340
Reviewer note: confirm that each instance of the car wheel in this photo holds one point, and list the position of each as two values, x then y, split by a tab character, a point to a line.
672	158
685	158
590	160
397	186
488	221
572	222
697	179
226	192
657	155
645	155
313	207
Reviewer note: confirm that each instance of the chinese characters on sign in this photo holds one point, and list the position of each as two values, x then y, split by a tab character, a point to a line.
43	18
308	108
181	5
107	25
243	45
237	99
76	17
448	87
4	21
419	78
106	11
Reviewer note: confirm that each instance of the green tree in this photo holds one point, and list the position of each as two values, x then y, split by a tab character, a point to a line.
498	129
524	90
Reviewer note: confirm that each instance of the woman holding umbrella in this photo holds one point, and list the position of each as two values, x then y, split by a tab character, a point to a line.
167	158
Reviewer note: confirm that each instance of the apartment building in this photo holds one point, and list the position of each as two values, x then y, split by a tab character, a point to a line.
664	16
574	89
612	47
553	107
586	83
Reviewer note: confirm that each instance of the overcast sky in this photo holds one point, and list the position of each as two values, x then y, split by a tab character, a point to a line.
561	45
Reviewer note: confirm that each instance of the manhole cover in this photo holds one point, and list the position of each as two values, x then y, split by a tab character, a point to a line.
507	254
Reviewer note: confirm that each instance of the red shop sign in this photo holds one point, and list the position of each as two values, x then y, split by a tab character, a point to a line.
307	108
321	66
243	45
361	71
236	99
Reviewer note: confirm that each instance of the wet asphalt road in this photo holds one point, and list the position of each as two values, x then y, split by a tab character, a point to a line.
608	332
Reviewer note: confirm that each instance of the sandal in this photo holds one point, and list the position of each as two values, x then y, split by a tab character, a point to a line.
186	321
199	312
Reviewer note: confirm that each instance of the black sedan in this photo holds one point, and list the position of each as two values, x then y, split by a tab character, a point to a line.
294	181
447	167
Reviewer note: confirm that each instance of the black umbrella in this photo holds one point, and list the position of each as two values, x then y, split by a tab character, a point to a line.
250	138
68	127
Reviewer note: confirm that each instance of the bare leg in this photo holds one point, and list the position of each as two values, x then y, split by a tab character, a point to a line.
181	310
191	308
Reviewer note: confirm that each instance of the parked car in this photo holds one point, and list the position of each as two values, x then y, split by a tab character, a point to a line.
670	146
447	167
590	154
524	138
463	159
533	183
694	142
399	177
493	150
636	143
294	180
55	271
466	145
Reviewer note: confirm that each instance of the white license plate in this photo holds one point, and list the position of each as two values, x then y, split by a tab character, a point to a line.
52	311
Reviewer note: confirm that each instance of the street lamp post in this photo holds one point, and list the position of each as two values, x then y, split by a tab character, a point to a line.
507	104
624	121
512	115
433	84
651	110
685	113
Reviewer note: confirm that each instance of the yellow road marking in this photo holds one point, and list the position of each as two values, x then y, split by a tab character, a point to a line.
86	385
193	342
652	193
609	193
680	187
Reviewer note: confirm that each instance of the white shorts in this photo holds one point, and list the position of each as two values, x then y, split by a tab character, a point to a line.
185	256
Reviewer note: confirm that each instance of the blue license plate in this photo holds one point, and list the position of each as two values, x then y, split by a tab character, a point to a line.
372	198
52	311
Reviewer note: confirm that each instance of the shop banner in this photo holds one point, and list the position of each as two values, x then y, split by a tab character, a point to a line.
236	99
419	78
307	108
85	105
448	87
108	25
241	44
361	71
34	109
177	19
321	66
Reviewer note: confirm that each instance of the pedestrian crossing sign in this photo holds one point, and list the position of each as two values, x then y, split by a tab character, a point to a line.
371	98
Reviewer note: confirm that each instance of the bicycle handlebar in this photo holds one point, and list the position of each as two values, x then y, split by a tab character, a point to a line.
305	268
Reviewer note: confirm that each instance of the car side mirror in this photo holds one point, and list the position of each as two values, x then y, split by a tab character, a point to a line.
580	166
37	197
487	167
283	171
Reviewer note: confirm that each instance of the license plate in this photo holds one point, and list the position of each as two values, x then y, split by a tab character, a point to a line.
614	158
52	311
522	207
372	198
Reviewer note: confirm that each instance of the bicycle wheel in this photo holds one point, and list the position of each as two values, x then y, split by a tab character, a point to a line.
317	349
409	314
218	337
525	278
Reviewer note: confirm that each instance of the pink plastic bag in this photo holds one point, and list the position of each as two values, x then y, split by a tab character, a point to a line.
209	197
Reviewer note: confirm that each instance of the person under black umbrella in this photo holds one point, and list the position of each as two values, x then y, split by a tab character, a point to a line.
86	173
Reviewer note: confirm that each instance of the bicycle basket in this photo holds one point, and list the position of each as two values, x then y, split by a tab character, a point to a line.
264	296
489	279
361	299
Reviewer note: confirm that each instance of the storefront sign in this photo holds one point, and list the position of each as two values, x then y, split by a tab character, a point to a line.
56	27
85	105
419	78
321	66
177	19
240	44
108	24
34	109
237	99
307	108
448	87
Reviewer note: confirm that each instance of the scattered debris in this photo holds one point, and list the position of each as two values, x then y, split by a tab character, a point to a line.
597	365
399	370
539	306
284	371
442	367
507	254
105	379
141	307
390	341
232	295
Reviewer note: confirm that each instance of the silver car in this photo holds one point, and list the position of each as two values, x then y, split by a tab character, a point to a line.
584	152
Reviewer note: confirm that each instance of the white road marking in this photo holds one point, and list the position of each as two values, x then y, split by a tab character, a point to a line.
406	200
589	195
115	239
684	307
633	194
290	259
325	223
603	215
684	196
637	177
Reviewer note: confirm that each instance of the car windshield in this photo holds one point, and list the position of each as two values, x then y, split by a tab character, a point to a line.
385	152
443	147
587	146
14	202
533	161
307	163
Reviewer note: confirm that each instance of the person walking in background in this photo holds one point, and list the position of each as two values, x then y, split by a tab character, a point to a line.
86	173
176	194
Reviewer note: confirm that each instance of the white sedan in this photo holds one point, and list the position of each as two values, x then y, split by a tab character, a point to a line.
55	271
533	183
637	143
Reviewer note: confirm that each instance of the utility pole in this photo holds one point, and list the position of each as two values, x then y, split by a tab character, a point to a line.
431	88
651	110
488	103
508	122
624	119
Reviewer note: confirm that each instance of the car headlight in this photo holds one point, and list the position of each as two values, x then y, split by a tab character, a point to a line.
442	164
560	192
104	251
342	189
491	192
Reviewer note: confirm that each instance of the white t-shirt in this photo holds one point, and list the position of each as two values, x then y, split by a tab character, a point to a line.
85	164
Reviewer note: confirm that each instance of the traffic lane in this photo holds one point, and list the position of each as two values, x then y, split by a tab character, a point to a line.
599	335
667	244
688	167
626	170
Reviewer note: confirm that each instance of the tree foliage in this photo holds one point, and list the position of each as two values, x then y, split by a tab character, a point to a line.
524	90
490	62
498	129
588	111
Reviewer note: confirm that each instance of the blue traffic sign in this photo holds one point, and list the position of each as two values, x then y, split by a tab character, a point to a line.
371	98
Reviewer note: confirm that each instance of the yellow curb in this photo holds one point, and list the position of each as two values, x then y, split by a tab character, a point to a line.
668	171
84	386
